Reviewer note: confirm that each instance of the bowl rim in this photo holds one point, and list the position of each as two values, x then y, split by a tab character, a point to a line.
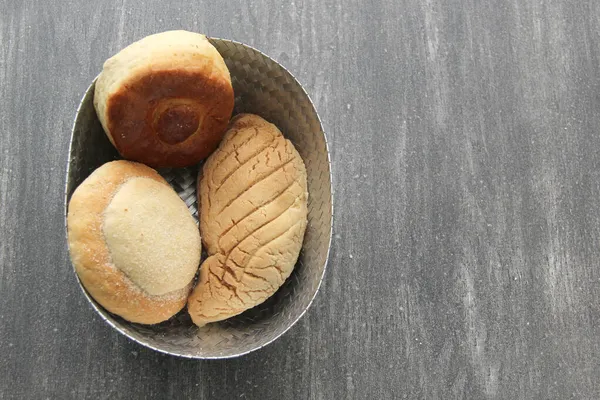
101	311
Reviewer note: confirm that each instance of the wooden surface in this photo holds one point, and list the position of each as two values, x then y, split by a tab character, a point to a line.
464	139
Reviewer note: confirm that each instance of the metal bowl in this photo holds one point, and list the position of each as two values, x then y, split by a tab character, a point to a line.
262	87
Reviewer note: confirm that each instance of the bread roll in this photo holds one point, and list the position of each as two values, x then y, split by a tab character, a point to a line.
165	100
253	211
133	242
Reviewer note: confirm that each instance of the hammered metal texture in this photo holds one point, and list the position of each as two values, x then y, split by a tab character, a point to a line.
263	87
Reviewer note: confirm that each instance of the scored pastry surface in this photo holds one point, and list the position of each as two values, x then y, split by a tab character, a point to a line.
253	214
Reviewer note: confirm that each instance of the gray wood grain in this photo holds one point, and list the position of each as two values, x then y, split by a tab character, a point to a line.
464	137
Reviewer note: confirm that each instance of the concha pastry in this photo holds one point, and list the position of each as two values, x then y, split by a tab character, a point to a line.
133	242
253	214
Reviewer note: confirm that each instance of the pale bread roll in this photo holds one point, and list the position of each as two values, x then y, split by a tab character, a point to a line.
253	214
133	242
165	100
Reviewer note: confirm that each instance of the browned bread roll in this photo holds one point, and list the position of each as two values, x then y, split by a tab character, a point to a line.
165	100
133	242
253	214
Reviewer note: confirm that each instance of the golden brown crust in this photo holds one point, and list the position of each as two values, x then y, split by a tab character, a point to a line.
91	257
165	100
253	210
145	130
